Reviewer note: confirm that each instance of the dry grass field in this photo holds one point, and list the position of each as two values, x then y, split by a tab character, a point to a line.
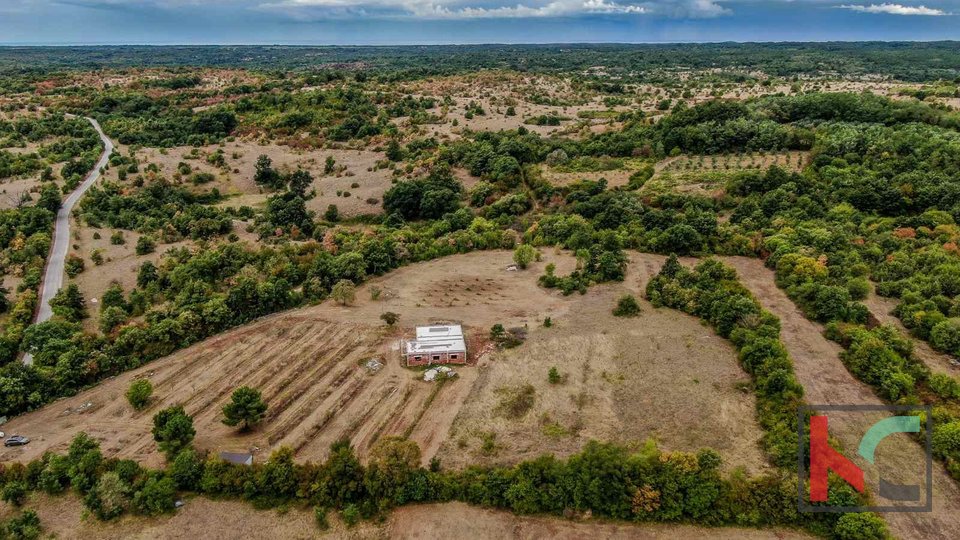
66	518
661	376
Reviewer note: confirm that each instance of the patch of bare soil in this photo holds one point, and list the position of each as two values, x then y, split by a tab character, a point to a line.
882	309
826	381
66	518
458	520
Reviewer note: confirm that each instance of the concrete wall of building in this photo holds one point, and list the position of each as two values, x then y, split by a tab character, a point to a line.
429	359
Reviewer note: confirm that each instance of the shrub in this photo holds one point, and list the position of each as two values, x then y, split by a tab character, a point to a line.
944	386
860	526
139	392
320	514
145	245
332	213
945	336
627	306
109	497
344	292
14	493
74	265
350	515
524	255
26	526
186	469
553	376
516	401
156	497
946	440
390	318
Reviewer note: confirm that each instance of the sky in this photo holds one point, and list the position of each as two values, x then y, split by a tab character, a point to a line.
397	22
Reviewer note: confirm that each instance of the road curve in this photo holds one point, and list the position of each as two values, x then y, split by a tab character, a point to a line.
53	273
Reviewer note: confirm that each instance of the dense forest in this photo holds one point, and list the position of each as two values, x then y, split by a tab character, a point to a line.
909	61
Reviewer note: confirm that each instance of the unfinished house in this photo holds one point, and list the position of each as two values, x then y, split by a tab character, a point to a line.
439	344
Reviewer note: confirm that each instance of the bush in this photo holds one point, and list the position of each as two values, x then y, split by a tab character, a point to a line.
944	386
145	245
390	318
515	402
139	393
74	265
109	497
946	440
332	213
156	497
553	376
627	306
26	526
945	336
320	514
524	255
14	493
186	469
860	526
344	292
350	515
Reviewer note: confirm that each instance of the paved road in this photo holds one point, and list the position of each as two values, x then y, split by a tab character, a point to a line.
53	275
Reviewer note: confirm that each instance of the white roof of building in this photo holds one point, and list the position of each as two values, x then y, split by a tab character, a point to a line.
439	332
438	339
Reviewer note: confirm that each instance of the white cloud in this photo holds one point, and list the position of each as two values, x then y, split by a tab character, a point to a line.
896	9
489	9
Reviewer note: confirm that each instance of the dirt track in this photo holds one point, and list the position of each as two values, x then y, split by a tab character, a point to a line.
882	309
826	381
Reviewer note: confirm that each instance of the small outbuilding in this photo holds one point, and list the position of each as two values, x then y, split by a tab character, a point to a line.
438	344
237	458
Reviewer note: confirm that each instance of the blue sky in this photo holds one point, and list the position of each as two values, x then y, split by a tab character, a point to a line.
470	21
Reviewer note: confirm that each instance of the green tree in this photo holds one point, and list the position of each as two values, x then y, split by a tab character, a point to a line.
332	214
246	408
390	318
173	430
186	469
139	392
69	303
